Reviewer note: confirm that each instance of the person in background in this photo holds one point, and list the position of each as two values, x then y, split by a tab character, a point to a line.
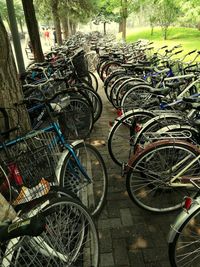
47	36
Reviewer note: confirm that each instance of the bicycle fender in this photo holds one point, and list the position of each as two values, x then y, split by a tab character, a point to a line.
135	111
62	158
181	219
60	163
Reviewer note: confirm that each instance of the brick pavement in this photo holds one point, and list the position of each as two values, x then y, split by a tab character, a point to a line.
129	236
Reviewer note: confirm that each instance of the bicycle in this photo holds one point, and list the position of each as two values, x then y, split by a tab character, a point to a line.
183	240
51	230
47	225
80	167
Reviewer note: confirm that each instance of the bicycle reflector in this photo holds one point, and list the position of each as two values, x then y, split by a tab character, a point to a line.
188	203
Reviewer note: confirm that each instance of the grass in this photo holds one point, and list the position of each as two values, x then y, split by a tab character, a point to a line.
189	38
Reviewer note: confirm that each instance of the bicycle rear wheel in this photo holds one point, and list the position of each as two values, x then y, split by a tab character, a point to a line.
122	134
149	178
70	239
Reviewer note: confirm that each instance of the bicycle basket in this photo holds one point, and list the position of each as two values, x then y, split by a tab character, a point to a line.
30	164
80	64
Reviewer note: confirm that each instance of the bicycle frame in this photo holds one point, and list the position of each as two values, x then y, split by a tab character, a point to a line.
173	183
59	139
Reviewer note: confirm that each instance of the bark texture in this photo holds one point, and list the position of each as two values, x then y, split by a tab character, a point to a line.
32	25
10	89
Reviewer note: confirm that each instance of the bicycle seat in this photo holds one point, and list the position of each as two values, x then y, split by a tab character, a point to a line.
160	91
191	99
175	84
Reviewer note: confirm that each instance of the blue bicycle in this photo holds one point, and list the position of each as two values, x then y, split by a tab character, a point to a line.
78	167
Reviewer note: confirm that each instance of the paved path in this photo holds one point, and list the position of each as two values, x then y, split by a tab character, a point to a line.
129	236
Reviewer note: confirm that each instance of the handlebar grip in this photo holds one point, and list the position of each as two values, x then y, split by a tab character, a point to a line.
192	52
33	226
178	52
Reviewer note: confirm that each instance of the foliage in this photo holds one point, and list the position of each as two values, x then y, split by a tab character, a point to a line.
188	37
18	11
79	10
190	13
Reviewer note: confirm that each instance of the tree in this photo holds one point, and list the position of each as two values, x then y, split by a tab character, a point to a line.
18	12
10	89
190	13
104	16
167	14
121	10
33	30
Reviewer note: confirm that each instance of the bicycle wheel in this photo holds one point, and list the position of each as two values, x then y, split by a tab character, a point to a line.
148	181
184	249
70	239
91	193
110	80
108	68
94	80
123	132
137	97
125	87
95	100
76	120
114	89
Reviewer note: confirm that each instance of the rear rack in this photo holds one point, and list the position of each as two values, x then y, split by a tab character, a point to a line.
152	136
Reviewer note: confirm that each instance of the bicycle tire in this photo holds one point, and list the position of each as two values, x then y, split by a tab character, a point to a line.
77	120
93	195
136	97
181	242
114	90
119	136
125	86
110	79
94	80
148	181
107	67
69	232
95	100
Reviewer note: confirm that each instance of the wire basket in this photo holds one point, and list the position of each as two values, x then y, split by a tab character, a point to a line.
30	167
80	64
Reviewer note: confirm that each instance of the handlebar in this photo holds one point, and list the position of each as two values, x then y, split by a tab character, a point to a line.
39	100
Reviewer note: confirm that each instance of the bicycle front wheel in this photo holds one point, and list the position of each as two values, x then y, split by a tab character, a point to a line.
91	193
149	180
70	239
185	247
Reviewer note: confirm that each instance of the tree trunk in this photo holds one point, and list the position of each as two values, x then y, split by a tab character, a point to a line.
70	27
152	30
124	29
56	20
10	89
33	31
120	26
64	22
165	33
104	28
21	25
73	27
124	17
